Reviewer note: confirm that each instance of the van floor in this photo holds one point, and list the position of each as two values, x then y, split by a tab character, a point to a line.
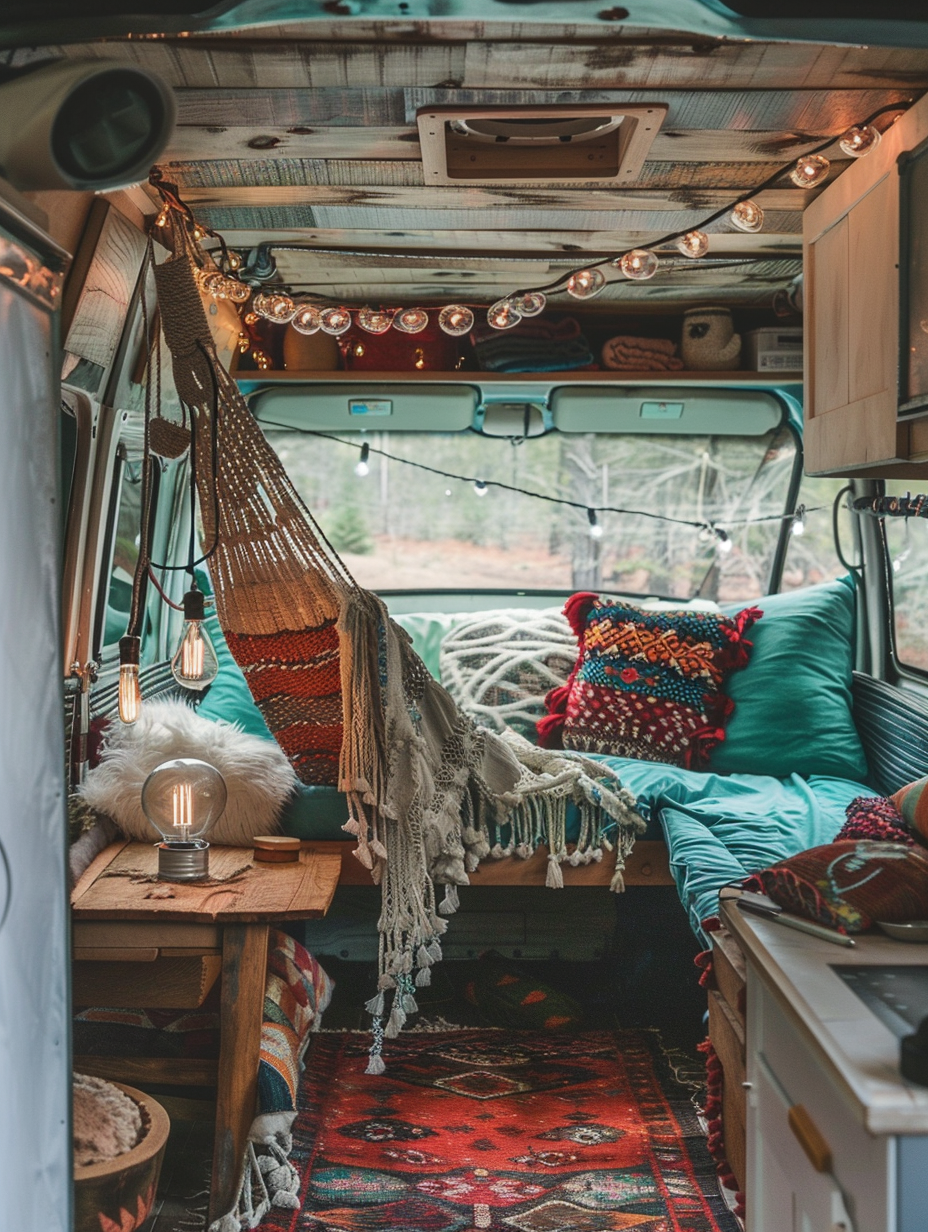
652	984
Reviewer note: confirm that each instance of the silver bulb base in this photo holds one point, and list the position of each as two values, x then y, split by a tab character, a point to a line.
183	861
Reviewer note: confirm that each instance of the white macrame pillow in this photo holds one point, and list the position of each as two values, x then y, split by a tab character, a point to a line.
259	779
499	665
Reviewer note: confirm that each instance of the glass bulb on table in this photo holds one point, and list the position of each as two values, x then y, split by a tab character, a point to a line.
183	799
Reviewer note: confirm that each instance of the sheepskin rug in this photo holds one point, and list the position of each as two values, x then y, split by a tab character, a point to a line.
259	779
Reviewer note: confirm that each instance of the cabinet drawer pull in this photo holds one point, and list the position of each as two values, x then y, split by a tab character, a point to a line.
809	1138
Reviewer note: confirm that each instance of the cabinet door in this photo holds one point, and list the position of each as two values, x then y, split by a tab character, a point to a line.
851	262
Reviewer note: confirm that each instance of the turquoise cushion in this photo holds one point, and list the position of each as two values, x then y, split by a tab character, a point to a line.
793	700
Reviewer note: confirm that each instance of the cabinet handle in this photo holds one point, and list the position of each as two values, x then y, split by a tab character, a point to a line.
810	1138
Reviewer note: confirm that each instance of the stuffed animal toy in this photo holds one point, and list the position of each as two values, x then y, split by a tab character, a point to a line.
709	342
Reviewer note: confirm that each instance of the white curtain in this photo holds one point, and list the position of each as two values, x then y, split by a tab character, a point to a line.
35	1139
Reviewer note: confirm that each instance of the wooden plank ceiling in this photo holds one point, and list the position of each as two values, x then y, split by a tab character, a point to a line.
306	135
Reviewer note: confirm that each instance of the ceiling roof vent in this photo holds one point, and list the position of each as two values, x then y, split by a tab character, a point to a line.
513	145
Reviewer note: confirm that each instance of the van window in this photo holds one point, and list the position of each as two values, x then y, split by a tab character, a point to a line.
812	555
907	551
402	527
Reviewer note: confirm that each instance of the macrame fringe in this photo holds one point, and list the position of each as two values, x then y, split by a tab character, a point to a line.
269	1179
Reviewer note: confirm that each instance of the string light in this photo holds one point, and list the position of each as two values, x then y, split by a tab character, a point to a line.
747	216
307	319
375	321
810	170
860	140
799	521
503	314
335	321
639	264
596	531
362	467
586	283
456	320
693	244
707	530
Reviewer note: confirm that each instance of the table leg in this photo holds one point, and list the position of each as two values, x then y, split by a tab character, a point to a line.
244	971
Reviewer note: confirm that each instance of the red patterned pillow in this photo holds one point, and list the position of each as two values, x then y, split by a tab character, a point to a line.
647	684
848	885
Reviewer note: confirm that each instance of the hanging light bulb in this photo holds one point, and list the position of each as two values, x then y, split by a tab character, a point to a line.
639	264
194	665
411	320
162	219
810	170
503	314
375	320
747	216
596	531
456	320
182	800
799	521
584	284
335	321
693	244
234	261
130	694
480	487
199	233
724	544
531	303
307	319
363	467
860	140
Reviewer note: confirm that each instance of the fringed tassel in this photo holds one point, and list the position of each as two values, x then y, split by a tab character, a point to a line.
617	884
451	902
376	1005
554	878
424	977
375	1061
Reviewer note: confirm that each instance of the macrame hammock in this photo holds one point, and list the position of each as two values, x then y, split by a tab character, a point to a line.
429	793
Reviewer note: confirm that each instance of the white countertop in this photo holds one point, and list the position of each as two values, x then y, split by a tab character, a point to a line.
857	1050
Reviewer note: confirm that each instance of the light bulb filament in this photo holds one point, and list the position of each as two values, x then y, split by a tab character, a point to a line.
192	652
182	801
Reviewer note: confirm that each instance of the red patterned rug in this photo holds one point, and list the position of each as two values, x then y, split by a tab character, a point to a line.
508	1131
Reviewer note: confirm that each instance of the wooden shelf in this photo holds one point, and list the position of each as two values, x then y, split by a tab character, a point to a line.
605	377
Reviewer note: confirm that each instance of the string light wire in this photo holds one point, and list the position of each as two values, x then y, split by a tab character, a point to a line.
481	485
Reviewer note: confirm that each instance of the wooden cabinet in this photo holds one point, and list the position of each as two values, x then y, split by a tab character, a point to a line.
851	252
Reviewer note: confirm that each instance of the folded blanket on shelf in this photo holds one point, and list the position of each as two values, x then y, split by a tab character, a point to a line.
630	354
533	346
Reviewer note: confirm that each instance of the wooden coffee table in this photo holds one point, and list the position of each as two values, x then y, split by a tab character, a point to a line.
138	938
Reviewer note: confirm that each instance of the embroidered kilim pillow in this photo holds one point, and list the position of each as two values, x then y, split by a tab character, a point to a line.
647	684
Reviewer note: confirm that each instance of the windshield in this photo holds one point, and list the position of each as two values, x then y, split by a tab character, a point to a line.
400	527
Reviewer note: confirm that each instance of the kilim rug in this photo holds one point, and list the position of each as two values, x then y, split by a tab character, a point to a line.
508	1131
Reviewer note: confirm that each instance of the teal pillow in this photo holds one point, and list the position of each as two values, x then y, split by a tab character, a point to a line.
793	700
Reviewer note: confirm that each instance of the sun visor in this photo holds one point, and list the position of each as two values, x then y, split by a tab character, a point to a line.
350	407
665	412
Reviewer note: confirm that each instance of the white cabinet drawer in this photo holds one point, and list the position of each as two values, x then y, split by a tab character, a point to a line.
860	1161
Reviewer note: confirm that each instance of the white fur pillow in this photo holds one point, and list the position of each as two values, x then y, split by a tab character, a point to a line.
259	779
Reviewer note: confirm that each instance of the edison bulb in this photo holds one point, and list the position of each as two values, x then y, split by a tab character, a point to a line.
282	309
747	216
456	320
503	314
531	303
194	665
239	292
810	170
693	244
130	693
213	283
411	320
182	800
307	319
375	320
860	140
335	321
586	283
639	264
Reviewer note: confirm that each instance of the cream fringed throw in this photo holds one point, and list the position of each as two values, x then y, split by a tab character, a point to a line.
429	793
